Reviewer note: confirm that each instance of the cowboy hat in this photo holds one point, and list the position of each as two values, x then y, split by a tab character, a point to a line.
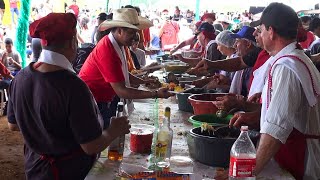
223	18
126	17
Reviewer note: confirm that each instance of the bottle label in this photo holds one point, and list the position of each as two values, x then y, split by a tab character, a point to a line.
241	167
161	149
117	145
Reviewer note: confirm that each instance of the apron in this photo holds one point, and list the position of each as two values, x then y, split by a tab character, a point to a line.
291	155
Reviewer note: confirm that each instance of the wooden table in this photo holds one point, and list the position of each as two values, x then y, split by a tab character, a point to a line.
105	169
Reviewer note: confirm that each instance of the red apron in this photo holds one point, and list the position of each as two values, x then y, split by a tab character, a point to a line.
291	155
54	160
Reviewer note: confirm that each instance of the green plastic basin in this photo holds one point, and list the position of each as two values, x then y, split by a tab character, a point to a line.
211	119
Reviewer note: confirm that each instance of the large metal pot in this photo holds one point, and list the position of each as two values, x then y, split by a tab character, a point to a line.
214	150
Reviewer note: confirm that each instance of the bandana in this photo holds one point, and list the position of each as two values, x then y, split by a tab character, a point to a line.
55	27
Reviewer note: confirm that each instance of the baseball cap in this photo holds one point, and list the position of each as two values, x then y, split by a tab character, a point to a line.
206	27
246	32
279	16
102	16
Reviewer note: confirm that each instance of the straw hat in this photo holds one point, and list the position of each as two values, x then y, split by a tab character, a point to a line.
126	17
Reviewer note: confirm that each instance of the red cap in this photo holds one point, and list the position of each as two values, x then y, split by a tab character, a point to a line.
55	27
75	9
165	10
208	15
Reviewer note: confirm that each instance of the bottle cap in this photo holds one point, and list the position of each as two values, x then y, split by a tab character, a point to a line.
244	128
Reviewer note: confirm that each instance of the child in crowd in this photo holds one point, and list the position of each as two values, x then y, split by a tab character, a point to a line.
140	54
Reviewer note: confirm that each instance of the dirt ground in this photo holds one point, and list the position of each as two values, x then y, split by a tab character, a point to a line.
11	153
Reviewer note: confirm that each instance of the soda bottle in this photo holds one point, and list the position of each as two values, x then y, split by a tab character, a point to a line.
116	148
164	142
242	157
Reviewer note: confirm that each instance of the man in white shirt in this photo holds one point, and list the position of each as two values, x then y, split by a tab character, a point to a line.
290	114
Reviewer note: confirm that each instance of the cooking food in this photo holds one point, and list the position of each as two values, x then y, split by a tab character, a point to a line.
154	85
206	127
173	87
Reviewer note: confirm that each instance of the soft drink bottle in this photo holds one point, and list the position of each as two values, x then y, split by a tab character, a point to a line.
242	157
116	148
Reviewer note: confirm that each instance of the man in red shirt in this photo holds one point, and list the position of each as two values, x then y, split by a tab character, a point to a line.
105	70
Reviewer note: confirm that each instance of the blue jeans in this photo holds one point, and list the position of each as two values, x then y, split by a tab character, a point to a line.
107	110
4	84
14	10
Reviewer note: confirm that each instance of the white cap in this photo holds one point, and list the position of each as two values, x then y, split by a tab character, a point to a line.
244	128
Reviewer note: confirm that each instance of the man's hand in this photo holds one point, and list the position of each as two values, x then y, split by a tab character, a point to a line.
252	119
10	59
222	174
173	50
201	82
4	56
255	98
200	69
178	56
229	102
150	52
163	93
119	126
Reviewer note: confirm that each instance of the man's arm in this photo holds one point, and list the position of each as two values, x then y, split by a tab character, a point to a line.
15	63
268	147
4	71
118	127
131	93
135	80
230	64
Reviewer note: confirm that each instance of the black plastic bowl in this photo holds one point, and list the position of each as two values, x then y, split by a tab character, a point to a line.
214	150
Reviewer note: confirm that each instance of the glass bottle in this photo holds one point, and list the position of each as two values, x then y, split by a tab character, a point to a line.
164	142
116	148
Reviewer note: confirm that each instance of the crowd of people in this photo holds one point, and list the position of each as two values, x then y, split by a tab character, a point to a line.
70	92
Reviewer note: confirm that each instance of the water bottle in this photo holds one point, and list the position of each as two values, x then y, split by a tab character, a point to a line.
116	148
242	157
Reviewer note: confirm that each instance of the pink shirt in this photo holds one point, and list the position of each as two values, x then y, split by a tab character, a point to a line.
13	4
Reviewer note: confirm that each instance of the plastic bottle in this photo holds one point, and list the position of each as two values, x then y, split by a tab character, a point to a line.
242	157
116	148
164	142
